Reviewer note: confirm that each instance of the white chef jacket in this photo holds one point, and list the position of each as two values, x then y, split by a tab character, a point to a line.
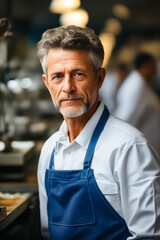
125	167
138	105
108	90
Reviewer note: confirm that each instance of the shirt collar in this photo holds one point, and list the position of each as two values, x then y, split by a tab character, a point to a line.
63	133
84	137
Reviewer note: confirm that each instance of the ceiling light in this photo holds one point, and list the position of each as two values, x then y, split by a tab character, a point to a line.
121	11
108	41
113	25
61	6
77	17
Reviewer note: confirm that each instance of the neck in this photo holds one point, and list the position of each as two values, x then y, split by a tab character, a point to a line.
144	74
75	125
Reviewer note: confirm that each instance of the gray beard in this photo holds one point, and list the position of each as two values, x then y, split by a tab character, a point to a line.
72	114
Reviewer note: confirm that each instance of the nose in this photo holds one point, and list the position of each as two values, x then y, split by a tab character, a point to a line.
68	86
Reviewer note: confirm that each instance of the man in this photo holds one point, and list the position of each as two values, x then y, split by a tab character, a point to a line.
98	176
137	103
112	82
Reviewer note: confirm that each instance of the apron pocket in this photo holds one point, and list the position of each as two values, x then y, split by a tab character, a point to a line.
71	203
109	192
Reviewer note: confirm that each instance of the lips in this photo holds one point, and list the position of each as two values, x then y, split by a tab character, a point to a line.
71	99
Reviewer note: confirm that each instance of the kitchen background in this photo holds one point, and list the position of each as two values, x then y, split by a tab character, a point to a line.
27	115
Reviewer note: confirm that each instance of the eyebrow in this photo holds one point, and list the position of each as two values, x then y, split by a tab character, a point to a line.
72	71
79	69
55	73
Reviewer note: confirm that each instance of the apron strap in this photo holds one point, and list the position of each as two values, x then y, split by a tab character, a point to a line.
52	159
90	150
95	136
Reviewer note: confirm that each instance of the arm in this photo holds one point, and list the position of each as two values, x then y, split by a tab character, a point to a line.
138	177
42	165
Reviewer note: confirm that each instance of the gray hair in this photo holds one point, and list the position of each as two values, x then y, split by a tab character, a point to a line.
71	37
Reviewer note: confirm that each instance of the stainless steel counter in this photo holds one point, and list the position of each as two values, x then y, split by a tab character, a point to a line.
23	222
30	189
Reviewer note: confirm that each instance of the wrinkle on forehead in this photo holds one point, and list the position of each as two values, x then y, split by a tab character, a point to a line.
67	60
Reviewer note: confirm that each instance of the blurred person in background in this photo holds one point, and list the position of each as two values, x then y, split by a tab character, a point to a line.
111	84
137	103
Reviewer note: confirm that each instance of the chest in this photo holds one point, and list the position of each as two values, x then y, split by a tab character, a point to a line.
72	158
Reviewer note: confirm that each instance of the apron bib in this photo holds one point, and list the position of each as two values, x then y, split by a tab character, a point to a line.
76	207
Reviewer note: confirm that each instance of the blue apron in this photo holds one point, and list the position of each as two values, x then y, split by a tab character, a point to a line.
77	209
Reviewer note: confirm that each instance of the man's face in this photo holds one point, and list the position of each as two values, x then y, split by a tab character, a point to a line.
71	81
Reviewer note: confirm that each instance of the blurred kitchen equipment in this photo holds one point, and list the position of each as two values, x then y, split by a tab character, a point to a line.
5	28
21	151
3	211
22	218
6	97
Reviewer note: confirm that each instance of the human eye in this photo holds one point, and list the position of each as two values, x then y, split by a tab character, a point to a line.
79	75
56	78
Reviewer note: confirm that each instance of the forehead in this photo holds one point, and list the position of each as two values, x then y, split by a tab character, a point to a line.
62	57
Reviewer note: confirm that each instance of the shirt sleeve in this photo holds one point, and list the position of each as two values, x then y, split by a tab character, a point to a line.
42	165
138	177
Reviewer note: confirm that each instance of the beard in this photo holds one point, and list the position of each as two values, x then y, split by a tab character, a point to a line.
72	113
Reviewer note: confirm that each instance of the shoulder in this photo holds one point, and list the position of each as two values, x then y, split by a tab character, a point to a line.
121	140
126	146
117	139
50	142
46	151
122	132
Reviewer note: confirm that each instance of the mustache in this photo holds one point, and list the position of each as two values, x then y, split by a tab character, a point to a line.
70	96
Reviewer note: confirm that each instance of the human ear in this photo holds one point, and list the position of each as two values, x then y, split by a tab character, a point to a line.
45	80
101	76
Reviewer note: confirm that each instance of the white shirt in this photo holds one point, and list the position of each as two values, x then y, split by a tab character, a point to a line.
125	167
138	105
108	90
